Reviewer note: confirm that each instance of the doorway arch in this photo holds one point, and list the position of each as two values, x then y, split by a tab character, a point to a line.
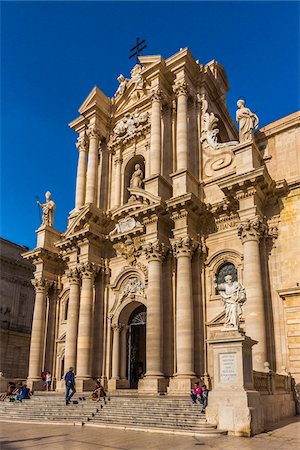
136	346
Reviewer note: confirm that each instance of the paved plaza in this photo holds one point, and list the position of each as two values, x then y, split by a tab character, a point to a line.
16	436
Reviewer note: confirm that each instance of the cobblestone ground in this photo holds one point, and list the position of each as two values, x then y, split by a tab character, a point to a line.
54	437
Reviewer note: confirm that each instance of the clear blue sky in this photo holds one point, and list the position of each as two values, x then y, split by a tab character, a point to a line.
53	53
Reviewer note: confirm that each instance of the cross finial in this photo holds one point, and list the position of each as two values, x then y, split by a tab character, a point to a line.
137	49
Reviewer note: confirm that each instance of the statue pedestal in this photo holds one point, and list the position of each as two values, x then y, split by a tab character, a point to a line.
47	237
233	403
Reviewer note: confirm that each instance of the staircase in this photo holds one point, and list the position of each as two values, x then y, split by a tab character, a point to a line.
160	414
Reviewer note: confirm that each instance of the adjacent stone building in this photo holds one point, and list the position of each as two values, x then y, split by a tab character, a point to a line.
16	310
170	198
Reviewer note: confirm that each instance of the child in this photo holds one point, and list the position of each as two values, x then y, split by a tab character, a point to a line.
204	398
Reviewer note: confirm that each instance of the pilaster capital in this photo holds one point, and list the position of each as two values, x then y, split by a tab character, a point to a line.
155	251
88	270
73	276
117	327
251	229
93	132
118	161
41	285
156	95
183	246
180	88
82	143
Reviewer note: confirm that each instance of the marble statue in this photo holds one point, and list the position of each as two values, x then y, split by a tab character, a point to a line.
137	177
122	85
234	296
48	210
247	120
137	77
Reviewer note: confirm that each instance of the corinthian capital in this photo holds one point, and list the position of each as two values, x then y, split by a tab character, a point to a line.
156	95
88	270
155	251
73	276
93	133
252	229
82	144
180	88
40	284
183	246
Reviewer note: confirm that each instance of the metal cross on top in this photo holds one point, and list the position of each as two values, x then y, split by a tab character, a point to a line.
138	49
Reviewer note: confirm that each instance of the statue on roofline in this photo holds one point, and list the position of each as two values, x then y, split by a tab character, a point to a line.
247	120
48	210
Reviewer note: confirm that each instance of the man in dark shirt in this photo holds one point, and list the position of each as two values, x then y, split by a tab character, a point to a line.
70	385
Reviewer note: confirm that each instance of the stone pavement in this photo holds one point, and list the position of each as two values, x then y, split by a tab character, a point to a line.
16	436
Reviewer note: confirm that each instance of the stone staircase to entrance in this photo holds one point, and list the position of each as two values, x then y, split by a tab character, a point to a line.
160	414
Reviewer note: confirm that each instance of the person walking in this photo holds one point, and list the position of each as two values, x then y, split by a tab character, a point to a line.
70	385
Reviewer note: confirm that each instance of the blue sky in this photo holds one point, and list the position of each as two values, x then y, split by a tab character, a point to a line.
53	53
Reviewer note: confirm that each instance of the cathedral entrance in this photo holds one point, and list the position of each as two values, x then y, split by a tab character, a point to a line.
136	346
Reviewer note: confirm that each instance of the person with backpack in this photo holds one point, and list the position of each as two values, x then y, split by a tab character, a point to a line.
70	385
204	398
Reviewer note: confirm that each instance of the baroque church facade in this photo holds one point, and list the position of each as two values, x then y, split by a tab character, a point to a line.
171	196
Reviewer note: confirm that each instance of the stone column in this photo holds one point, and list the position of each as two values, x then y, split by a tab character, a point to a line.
82	146
183	249
84	342
72	319
123	362
181	129
155	136
117	194
38	330
92	165
116	351
250	232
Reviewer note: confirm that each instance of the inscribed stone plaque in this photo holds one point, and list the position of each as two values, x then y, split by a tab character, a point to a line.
228	369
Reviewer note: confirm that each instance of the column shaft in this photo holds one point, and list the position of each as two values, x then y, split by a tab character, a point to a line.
81	177
38	333
182	132
116	352
184	317
92	167
254	306
155	137
72	324
84	343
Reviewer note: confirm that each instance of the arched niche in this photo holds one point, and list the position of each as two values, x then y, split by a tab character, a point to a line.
128	171
64	304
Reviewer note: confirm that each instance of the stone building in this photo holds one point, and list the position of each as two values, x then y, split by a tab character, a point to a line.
16	310
170	198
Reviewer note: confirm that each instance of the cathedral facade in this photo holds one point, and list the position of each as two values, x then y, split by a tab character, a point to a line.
172	196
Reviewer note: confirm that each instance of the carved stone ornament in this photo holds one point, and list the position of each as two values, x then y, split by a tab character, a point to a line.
247	120
88	270
132	286
136	76
252	229
180	88
130	249
93	133
209	129
156	95
183	246
155	251
73	276
40	284
131	123
124	225
82	143
122	85
233	295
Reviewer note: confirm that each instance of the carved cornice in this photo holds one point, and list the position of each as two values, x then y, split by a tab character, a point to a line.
155	251
183	246
41	285
73	276
252	229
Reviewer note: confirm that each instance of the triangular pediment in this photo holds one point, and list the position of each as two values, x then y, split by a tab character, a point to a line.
95	99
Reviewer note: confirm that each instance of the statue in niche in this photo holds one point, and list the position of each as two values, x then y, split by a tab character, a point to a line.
233	295
48	210
137	177
122	85
247	120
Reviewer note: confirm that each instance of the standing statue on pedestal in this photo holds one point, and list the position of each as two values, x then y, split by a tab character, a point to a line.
247	120
233	295
122	85
137	177
48	210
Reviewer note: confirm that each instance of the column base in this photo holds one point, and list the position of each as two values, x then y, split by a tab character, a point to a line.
85	384
153	385
35	384
117	383
181	384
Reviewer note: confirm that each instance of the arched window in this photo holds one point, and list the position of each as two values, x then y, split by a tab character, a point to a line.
66	309
226	269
